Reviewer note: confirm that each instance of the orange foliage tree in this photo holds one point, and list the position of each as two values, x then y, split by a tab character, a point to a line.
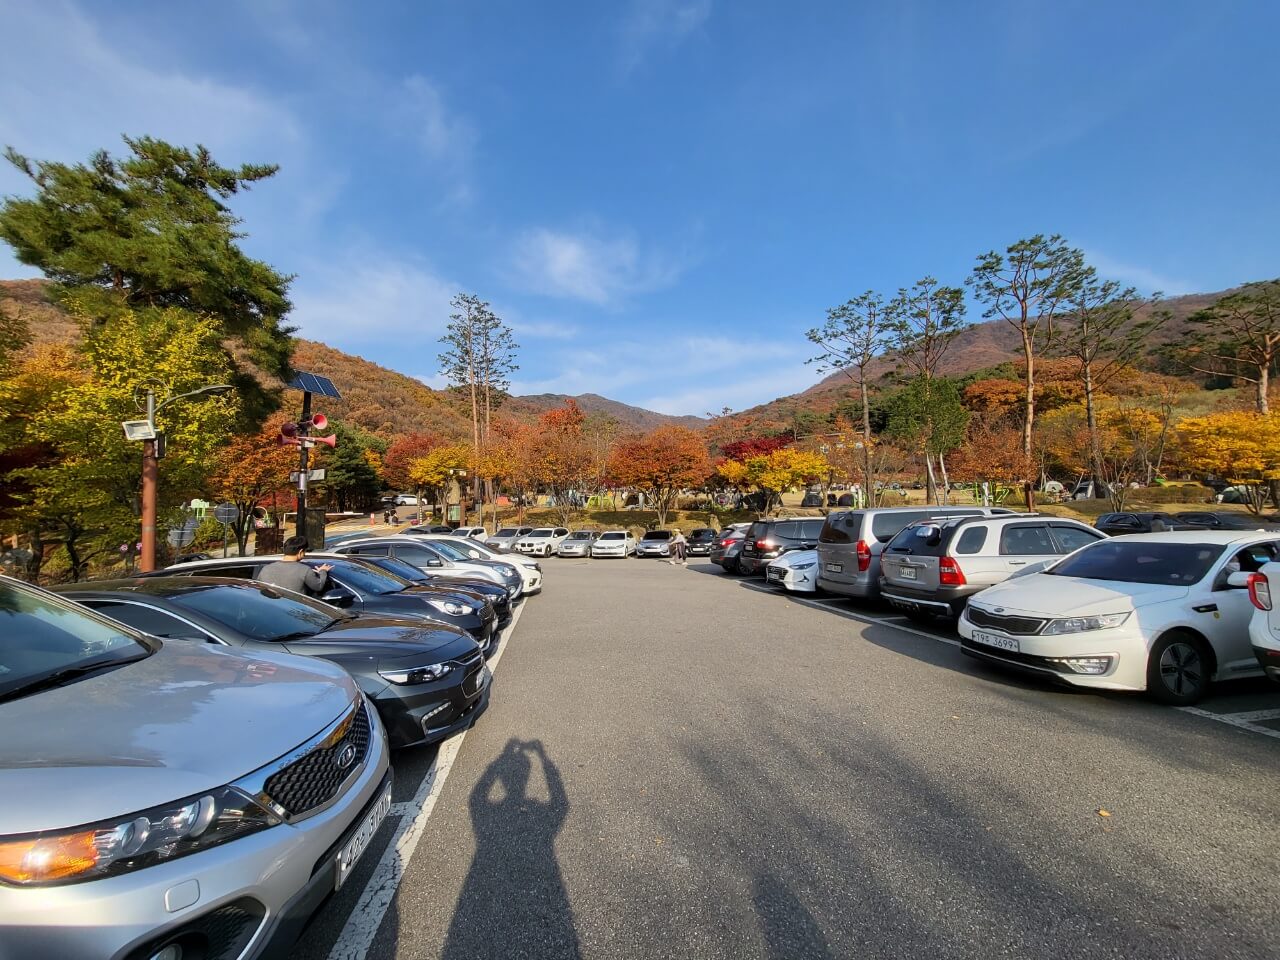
561	457
399	458
992	455
661	464
248	470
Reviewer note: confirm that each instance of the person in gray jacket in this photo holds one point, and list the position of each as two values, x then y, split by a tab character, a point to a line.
290	574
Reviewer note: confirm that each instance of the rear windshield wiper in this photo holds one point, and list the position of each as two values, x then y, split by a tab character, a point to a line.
67	674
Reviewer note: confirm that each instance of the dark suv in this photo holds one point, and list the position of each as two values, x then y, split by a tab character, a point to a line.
701	541
769	539
1118	524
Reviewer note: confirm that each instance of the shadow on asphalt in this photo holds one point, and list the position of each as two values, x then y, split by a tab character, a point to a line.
789	930
515	875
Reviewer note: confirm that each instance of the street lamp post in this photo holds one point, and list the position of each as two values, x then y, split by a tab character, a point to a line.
146	431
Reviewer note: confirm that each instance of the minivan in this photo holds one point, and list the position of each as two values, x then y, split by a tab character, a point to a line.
851	541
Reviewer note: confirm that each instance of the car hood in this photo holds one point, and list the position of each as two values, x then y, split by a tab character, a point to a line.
1045	595
450	591
383	636
186	719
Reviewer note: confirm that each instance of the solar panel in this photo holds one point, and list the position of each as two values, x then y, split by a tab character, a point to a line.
314	383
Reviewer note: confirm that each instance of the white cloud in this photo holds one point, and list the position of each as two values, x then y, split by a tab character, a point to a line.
446	138
1146	280
543	329
366	299
659	23
586	266
103	93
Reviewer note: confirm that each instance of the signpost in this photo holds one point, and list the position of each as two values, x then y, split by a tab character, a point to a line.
225	513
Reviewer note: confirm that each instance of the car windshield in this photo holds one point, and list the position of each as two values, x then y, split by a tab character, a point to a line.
260	613
363	578
451	551
398	568
506	532
43	641
579	536
613	536
542	533
657	535
1141	561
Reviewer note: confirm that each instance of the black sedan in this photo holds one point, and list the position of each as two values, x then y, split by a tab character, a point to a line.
428	681
1225	520
701	541
1118	524
410	574
354	585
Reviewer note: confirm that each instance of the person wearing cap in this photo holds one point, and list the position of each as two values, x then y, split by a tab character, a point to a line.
289	573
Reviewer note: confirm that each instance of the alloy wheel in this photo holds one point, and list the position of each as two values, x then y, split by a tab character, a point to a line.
1182	669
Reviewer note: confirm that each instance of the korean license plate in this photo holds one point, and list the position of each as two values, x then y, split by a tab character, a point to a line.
835	567
992	640
908	573
357	845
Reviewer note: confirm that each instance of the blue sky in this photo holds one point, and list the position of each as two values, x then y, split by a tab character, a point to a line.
661	196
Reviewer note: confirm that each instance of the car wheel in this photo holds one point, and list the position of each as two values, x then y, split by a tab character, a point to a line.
1178	669
732	566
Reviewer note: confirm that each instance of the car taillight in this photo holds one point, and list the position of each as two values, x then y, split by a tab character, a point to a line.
1259	591
949	573
864	555
764	544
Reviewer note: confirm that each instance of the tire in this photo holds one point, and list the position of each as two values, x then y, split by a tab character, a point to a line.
1178	669
733	567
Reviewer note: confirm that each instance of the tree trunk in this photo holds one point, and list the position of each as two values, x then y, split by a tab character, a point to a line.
1029	405
1264	378
1091	418
930	484
36	561
868	471
946	484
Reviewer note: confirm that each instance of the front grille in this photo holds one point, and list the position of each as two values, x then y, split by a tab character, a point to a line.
221	934
1018	626
315	778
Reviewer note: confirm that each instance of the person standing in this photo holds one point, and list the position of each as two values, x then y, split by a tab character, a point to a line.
678	549
290	573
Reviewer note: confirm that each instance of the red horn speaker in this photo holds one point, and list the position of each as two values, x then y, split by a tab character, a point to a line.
288	429
319	421
329	441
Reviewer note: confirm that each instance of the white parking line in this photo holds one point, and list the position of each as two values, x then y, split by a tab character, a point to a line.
357	934
1245	720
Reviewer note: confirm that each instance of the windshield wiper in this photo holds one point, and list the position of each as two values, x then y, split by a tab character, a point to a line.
67	674
299	634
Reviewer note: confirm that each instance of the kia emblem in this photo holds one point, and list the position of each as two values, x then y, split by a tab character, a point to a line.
999	609
346	757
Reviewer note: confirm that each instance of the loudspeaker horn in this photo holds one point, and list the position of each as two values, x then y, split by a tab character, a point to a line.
329	441
319	421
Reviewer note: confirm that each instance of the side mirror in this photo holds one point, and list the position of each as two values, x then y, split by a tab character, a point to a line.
435	562
338	598
1238	580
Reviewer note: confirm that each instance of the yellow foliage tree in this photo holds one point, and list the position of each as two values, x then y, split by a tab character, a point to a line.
1240	446
430	473
775	473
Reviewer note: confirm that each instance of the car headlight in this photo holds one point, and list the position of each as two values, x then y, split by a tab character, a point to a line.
422	674
452	607
804	566
1104	621
537	567
133	842
506	571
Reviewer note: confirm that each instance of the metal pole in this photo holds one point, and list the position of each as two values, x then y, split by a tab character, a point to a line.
150	475
304	454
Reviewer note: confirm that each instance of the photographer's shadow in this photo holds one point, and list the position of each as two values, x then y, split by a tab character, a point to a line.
514	902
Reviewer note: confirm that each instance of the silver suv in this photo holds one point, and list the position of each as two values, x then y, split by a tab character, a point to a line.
932	567
851	542
168	798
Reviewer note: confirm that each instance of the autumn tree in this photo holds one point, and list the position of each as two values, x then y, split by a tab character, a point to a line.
153	230
1130	437
773	474
401	453
249	469
991	458
1027	286
744	450
1239	337
660	464
1243	447
928	417
1103	332
561	456
430	473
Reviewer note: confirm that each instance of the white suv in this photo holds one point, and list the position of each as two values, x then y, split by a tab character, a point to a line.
543	542
1167	613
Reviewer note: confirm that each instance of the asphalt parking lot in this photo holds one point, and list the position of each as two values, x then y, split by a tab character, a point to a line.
682	764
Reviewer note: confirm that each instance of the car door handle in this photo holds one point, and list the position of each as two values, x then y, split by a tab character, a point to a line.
1017	563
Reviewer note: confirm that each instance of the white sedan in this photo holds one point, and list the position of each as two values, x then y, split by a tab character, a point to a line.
1167	613
529	569
796	571
1264	628
614	543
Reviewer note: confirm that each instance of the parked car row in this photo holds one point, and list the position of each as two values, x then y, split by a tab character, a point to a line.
214	751
1168	613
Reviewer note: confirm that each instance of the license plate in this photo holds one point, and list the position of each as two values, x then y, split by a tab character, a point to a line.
992	640
908	573
835	567
357	845
775	574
